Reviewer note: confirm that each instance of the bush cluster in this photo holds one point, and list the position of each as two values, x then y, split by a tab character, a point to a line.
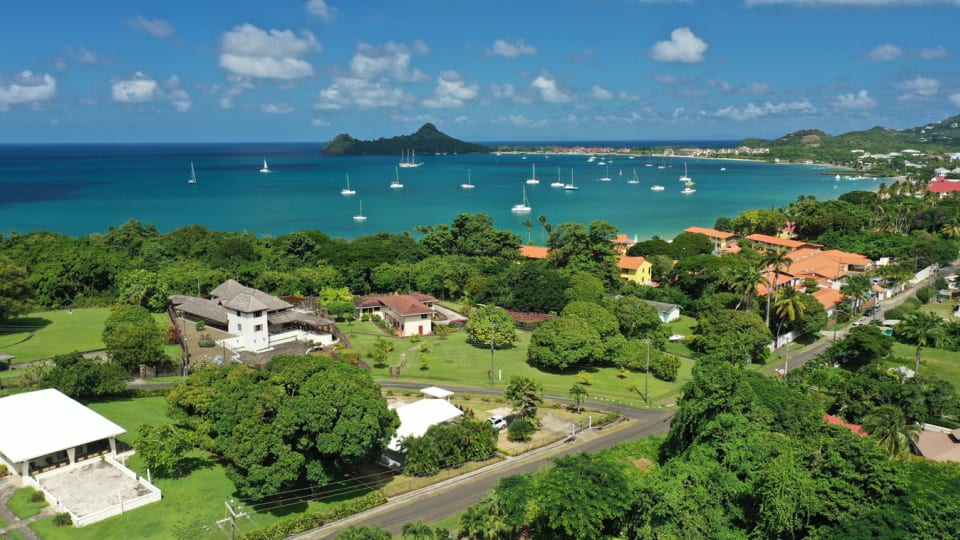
448	445
907	307
289	527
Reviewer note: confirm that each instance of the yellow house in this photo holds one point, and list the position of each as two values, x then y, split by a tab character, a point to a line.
635	269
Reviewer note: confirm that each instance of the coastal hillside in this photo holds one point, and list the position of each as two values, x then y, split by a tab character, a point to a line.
936	137
427	140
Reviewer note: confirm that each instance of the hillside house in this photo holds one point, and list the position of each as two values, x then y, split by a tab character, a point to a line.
408	314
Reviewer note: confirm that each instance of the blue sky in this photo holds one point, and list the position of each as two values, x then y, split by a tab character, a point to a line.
244	70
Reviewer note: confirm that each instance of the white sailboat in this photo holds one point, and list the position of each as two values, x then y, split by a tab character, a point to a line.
533	177
688	190
663	163
571	186
411	162
360	216
193	175
469	184
347	190
265	169
396	182
558	183
634	179
524	206
685	178
656	187
606	177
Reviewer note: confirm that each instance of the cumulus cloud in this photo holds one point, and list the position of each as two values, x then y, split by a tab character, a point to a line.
177	96
859	101
319	122
319	8
935	53
393	58
955	99
600	93
919	88
506	49
683	46
136	90
885	53
451	91
276	108
550	91
27	88
356	92
749	89
155	27
753	111
252	52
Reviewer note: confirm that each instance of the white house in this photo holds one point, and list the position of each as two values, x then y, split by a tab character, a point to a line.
666	312
417	417
408	314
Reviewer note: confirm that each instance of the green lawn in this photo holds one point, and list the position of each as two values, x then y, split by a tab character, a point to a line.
940	362
59	332
453	361
191	505
21	506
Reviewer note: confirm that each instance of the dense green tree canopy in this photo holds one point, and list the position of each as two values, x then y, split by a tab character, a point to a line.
736	336
563	342
79	377
491	325
15	292
132	337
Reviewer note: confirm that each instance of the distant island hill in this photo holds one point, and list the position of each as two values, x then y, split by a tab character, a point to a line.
932	138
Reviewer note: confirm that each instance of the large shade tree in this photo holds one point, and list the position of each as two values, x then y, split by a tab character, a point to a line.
15	292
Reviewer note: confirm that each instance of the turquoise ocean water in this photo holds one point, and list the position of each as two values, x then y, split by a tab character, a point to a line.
82	189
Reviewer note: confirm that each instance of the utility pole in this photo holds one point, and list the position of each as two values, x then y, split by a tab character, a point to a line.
232	519
493	336
646	375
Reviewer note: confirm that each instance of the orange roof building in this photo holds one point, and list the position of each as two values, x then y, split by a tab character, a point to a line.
621	243
635	269
772	242
723	242
534	252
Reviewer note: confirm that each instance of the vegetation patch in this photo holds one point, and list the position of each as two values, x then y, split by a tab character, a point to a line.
23	503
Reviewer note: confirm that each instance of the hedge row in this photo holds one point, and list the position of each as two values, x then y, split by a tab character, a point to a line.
298	524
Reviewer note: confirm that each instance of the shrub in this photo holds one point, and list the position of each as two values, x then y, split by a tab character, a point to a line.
907	307
173	335
925	294
36	496
62	520
584	378
519	430
200	325
207	342
3	470
665	367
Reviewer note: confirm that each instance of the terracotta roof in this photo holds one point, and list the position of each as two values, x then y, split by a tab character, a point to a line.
839	422
712	233
785	242
630	263
942	185
828	297
622	239
826	264
534	252
402	304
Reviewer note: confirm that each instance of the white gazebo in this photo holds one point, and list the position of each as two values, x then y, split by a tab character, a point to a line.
437	392
44	429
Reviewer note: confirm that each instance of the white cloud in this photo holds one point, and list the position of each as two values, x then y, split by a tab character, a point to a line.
178	97
276	108
320	9
549	91
249	51
27	88
863	3
319	122
451	91
749	89
955	98
918	88
600	93
353	91
936	53
753	111
86	57
155	27
520	121
393	58
136	90
859	101
679	113
885	53
683	46
506	49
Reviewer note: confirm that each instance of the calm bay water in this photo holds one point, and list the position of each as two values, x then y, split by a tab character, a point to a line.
82	189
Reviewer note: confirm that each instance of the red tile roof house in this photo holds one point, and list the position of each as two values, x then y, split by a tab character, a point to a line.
408	314
837	421
943	186
723	242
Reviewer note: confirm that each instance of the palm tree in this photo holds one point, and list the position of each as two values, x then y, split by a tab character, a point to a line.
859	288
888	424
787	308
579	394
417	531
744	281
529	225
951	228
924	328
543	223
773	261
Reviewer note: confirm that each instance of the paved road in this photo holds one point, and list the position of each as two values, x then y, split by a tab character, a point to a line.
451	497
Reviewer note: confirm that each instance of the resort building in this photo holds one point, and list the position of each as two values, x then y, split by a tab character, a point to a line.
943	186
255	319
621	243
723	242
408	314
635	269
774	243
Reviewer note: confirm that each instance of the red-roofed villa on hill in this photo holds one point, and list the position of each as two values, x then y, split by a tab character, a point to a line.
408	314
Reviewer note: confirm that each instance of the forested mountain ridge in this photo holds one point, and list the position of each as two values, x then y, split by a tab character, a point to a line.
935	136
427	140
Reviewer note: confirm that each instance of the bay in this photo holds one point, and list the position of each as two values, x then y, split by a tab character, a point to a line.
83	189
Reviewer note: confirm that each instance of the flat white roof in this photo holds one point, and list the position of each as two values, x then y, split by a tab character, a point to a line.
46	421
437	392
417	417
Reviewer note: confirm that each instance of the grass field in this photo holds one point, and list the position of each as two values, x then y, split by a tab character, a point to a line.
21	505
58	332
451	360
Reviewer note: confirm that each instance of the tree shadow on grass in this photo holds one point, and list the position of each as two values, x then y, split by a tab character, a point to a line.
24	324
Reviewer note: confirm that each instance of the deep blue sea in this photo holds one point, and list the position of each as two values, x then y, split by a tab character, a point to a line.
82	189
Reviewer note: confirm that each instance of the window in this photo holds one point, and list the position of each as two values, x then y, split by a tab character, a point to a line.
258	328
239	327
258	314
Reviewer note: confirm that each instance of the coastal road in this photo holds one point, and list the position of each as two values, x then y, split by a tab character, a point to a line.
453	496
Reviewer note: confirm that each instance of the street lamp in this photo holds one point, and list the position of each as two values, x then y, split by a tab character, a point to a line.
646	375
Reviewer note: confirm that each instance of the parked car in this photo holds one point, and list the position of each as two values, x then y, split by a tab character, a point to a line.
497	422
